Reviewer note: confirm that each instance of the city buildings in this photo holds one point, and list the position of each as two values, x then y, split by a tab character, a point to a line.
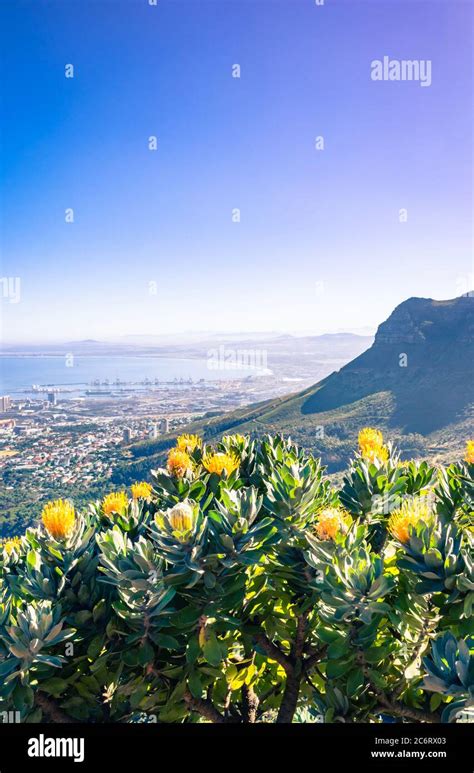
5	403
163	426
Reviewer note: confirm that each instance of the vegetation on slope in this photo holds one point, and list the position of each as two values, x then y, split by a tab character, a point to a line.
242	587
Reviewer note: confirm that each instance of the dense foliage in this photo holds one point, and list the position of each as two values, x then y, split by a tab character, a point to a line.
241	587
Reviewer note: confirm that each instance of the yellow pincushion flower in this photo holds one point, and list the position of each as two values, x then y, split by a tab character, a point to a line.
181	517
179	463
330	523
409	514
469	458
218	462
370	438
9	545
58	518
188	443
115	503
371	445
376	454
141	490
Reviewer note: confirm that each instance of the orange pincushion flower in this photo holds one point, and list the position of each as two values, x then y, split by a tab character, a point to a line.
58	518
407	516
469	458
330	522
141	490
115	503
179	463
219	462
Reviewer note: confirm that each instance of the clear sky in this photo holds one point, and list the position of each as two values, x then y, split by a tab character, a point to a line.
153	248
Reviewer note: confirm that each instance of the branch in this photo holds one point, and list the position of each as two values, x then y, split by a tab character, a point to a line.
399	710
315	656
392	706
290	699
249	704
52	710
274	652
421	643
294	675
297	650
203	707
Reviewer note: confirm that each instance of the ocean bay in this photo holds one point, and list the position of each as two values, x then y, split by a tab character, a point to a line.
19	373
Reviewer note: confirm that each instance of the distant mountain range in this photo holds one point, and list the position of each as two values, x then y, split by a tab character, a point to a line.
195	345
416	382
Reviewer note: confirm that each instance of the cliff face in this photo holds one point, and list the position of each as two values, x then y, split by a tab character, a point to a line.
423	354
422	321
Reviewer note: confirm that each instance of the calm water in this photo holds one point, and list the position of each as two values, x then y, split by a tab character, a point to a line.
17	374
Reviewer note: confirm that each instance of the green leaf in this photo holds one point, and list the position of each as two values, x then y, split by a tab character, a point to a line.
23	697
355	681
186	617
130	657
327	635
33	559
99	610
166	641
239	679
194	682
178	693
145	654
82	617
435	701
376	654
212	650
83	595
95	647
54	686
336	668
337	649
193	650
173	713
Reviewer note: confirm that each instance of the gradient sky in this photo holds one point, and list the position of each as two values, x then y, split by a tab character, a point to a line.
319	246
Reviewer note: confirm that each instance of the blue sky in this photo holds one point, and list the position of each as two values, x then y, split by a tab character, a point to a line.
319	246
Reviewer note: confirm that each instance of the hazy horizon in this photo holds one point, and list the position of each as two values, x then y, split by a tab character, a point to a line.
154	247
186	337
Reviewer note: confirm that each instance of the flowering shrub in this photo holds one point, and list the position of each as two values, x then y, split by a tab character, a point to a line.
240	586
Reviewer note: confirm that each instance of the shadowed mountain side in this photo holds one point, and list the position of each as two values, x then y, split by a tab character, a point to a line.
423	355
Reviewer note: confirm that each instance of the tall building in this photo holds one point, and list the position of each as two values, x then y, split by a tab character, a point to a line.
52	398
127	434
164	425
5	403
152	432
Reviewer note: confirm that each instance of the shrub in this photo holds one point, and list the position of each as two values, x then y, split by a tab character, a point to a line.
242	587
